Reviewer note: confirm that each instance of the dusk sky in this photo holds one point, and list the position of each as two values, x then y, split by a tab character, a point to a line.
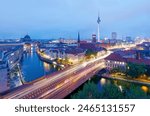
47	19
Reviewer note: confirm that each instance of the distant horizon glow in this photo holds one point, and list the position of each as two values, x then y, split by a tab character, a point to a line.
47	19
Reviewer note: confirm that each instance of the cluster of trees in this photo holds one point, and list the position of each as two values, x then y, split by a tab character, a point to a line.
148	70
90	52
109	91
133	70
62	61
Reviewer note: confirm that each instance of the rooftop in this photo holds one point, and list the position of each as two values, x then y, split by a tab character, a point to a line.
6	50
115	57
74	51
118	57
127	52
27	37
139	61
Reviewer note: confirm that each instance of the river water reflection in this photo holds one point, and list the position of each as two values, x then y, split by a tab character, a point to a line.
121	84
33	68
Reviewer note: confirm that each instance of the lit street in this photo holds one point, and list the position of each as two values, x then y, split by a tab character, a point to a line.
67	80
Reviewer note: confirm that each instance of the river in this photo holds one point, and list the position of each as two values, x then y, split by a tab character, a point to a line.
122	84
33	68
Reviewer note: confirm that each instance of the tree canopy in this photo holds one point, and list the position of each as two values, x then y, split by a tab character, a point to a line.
110	91
90	52
135	70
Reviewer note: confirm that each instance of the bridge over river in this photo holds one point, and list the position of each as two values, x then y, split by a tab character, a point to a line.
59	84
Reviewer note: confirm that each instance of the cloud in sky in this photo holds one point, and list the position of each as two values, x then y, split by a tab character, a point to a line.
64	18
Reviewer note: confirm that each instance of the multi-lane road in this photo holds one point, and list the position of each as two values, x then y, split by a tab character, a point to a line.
60	84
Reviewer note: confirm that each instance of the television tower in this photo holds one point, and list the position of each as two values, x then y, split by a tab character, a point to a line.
98	23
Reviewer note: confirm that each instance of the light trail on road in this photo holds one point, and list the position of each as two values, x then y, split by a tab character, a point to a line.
52	79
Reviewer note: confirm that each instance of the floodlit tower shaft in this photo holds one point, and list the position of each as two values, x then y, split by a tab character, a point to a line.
98	23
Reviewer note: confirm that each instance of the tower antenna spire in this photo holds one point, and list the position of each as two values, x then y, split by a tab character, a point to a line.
98	23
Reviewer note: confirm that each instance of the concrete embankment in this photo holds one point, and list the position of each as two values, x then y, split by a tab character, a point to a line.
49	61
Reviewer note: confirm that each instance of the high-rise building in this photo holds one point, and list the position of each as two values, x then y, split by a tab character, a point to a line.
98	23
94	38
114	35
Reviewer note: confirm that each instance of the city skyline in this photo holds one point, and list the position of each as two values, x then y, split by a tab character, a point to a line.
54	19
